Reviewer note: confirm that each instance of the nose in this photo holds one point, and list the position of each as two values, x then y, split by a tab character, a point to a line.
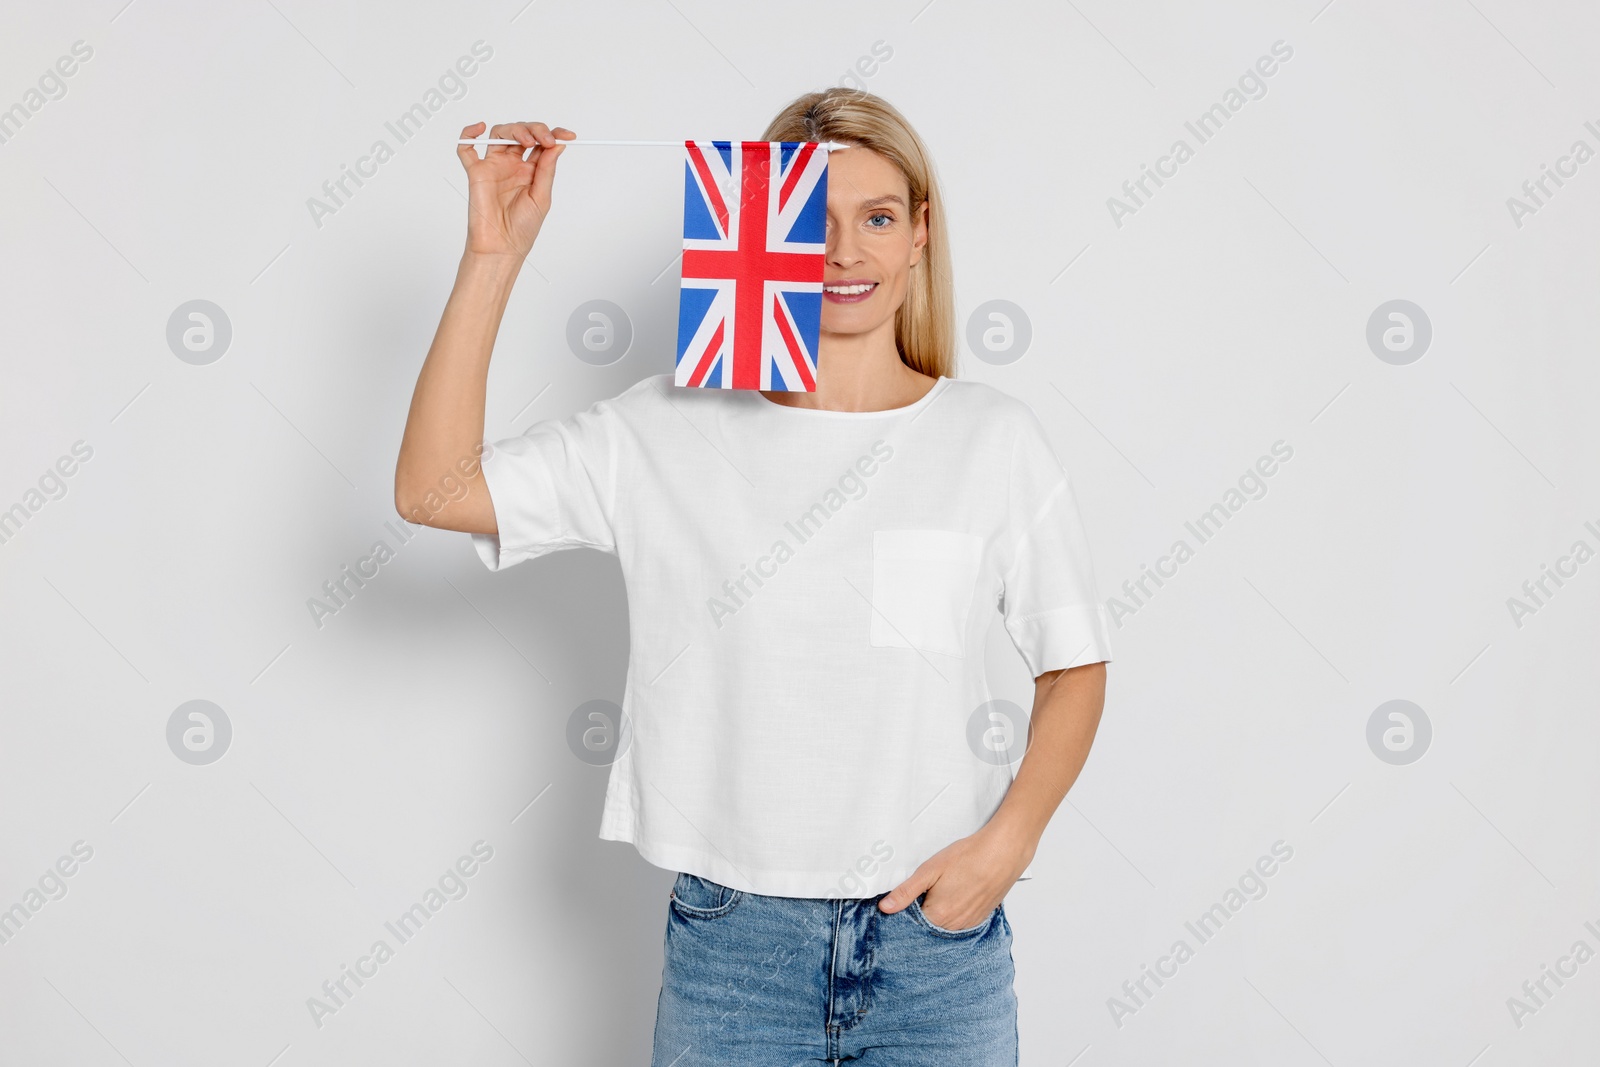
841	248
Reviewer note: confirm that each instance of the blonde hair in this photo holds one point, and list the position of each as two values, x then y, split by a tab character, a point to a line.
924	325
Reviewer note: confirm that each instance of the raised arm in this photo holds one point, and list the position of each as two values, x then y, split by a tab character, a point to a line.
436	478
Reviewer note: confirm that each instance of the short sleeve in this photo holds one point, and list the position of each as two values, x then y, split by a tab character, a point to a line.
1049	601
552	487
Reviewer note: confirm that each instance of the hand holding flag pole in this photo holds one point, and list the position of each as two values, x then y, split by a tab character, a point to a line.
754	239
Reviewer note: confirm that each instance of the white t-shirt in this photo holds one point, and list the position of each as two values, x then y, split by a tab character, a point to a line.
809	593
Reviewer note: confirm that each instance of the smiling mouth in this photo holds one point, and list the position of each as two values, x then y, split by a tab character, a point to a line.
854	291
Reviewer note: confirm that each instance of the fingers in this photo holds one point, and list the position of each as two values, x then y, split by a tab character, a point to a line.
537	144
910	889
510	131
468	154
528	135
544	171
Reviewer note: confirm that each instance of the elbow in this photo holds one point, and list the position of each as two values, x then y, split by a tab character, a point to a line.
408	504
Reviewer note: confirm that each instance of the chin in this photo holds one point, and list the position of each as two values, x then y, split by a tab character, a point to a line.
849	324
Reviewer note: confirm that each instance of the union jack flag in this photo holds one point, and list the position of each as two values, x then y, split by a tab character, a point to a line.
754	233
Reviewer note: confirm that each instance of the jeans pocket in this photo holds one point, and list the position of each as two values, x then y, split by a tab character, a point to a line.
922	588
914	909
695	897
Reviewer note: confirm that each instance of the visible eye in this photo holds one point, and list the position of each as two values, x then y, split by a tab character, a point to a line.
888	220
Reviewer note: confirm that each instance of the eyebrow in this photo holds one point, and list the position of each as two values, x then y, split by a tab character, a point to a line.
890	199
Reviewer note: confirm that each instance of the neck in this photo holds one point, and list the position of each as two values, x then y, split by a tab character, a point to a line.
859	372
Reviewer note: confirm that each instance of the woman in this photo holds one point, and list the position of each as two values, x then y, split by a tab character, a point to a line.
813	747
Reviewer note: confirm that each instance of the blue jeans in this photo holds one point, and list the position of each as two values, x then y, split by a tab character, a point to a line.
763	981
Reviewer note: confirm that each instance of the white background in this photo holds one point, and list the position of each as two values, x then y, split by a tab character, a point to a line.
1228	313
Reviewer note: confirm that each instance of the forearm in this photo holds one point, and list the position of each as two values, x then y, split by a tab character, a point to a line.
1066	714
445	424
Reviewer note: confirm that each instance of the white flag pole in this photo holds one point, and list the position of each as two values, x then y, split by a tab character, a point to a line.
584	140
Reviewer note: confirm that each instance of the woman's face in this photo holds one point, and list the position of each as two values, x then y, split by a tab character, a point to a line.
873	240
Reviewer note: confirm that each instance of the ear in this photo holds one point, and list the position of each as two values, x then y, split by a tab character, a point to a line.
919	238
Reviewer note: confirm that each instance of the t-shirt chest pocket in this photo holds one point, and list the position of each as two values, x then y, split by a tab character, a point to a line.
922	588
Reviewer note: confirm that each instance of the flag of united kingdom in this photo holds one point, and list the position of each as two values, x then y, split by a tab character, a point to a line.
754	236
